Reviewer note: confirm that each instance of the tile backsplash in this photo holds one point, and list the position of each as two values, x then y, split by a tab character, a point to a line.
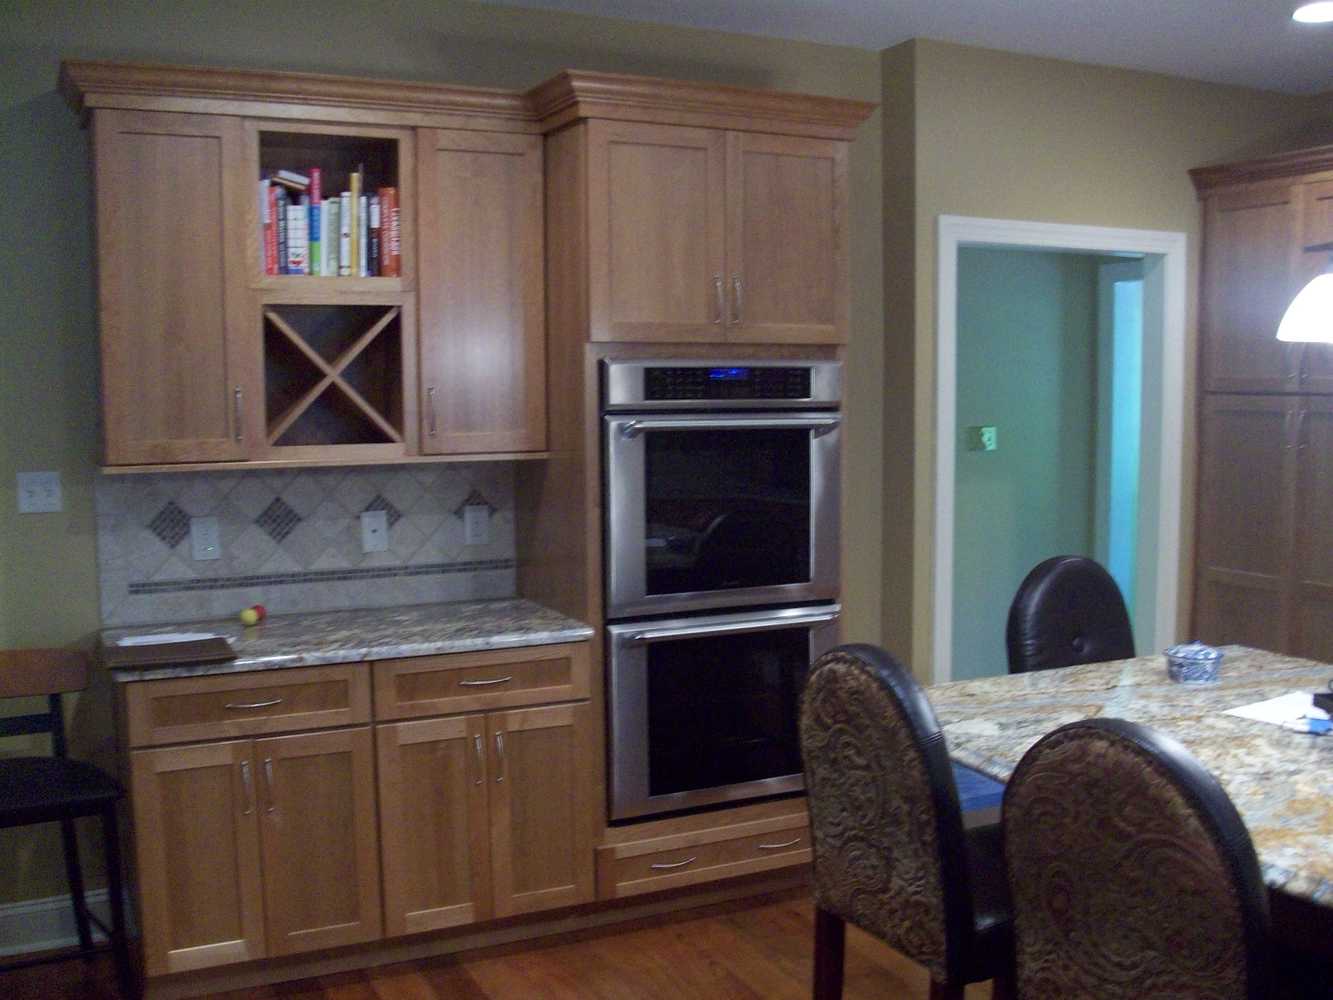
291	540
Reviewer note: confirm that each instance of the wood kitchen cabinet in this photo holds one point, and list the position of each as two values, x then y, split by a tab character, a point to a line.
701	234
483	325
484	815
179	372
1313	535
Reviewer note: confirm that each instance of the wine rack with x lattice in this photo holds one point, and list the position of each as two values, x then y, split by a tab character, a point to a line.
339	376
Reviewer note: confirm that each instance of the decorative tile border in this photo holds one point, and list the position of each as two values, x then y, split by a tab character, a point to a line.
319	576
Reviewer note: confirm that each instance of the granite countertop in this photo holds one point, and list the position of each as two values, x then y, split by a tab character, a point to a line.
1278	779
374	634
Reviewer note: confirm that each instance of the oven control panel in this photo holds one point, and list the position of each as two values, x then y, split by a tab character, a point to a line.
720	385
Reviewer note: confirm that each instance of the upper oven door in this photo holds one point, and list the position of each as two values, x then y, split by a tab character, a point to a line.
714	511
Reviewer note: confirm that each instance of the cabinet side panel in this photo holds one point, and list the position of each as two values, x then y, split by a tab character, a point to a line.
1314	531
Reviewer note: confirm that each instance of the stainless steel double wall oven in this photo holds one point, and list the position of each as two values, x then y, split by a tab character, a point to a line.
722	570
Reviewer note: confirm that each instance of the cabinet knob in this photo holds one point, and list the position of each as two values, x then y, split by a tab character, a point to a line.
720	301
499	757
248	784
238	428
481	759
430	410
738	299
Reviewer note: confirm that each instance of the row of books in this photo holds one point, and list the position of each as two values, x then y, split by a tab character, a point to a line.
355	234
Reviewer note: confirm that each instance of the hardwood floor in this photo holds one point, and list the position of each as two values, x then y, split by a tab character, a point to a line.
733	952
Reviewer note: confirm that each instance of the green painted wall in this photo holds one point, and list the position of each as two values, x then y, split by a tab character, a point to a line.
48	384
999	135
1027	364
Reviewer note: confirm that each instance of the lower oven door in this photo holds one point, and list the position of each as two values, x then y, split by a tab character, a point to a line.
705	709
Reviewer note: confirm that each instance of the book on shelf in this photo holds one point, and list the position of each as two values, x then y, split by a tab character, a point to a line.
373	252
390	245
363	229
291	180
268	258
332	236
345	234
314	259
298	222
280	220
358	233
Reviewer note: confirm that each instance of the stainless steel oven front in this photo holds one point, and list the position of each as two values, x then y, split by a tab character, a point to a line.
722	485
705	709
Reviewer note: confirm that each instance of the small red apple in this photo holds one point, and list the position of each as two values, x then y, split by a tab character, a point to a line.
261	611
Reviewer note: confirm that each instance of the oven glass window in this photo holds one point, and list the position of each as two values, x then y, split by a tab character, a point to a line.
726	509
723	709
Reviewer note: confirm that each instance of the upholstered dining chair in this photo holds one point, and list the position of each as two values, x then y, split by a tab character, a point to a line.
1068	610
1132	874
890	851
56	789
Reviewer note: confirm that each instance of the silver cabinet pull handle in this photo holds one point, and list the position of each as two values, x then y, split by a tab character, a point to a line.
777	847
247	782
236	413
478	684
481	759
268	784
721	300
238	706
430	410
738	297
678	864
500	757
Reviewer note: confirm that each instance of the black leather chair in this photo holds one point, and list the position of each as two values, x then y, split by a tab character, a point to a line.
57	789
891	853
1068	610
1132	874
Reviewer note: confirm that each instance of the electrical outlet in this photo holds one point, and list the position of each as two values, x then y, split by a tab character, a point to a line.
39	493
204	542
476	524
374	531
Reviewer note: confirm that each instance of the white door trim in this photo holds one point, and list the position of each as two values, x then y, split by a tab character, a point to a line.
955	231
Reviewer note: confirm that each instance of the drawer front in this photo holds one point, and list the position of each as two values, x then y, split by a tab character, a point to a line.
246	704
469	682
625	871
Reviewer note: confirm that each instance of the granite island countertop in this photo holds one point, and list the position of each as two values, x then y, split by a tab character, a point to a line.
304	640
1277	779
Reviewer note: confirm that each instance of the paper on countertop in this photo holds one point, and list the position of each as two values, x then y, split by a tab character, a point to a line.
1284	710
154	640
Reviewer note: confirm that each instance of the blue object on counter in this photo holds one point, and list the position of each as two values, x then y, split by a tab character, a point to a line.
975	790
1193	663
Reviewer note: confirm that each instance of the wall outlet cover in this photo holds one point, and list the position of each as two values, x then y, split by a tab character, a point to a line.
476	524
374	531
39	493
205	543
982	437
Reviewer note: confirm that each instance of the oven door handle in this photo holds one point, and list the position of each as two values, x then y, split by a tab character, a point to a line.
696	631
633	428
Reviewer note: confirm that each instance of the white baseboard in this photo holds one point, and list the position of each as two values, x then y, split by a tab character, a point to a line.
46	924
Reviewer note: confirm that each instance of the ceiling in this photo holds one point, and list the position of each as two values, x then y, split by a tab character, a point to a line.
1252	43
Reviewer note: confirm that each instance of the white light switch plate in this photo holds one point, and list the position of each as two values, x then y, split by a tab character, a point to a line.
476	524
39	493
204	543
374	531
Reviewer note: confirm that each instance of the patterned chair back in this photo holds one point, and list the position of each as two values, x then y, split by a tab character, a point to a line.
888	833
1131	872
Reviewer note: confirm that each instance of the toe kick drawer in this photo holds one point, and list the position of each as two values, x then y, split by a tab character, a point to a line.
221	706
690	859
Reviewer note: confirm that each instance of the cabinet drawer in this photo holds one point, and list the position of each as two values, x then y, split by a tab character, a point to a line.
246	704
688	859
467	682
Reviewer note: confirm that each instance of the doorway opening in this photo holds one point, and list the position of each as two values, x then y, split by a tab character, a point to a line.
1059	383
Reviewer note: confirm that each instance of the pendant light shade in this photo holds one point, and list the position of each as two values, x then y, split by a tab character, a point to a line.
1309	318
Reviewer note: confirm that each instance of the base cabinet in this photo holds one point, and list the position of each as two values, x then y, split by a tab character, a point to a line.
483	816
255	848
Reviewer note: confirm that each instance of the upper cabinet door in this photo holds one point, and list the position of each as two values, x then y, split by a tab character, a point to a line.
483	353
1249	278
177	371
1318	224
656	228
787	239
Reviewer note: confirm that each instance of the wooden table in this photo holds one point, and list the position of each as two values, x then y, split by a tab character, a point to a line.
1279	780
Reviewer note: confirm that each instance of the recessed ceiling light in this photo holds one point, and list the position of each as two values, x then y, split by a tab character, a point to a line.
1314	13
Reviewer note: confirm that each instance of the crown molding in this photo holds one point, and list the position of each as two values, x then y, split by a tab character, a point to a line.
1317	159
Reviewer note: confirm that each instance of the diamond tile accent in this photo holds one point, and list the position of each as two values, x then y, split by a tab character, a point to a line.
391	513
278	519
170	525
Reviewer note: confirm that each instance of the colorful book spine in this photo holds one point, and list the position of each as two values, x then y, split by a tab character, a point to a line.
376	238
357	232
363	244
298	221
391	244
333	235
313	222
268	261
280	207
345	222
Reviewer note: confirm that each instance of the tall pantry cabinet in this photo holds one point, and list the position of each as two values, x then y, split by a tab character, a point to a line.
1264	545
